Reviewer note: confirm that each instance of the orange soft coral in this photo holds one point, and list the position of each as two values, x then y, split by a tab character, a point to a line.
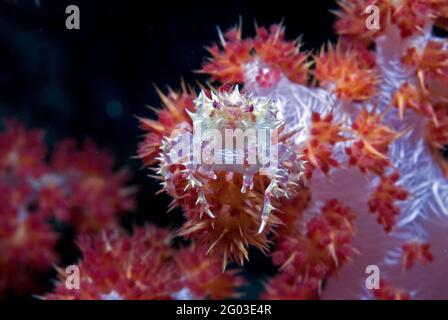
437	132
369	151
382	201
79	187
269	46
173	114
272	48
22	150
351	22
324	135
409	96
430	62
203	276
388	292
324	248
291	212
237	219
226	64
144	266
416	251
410	16
437	136
94	194
285	287
118	266
27	243
349	73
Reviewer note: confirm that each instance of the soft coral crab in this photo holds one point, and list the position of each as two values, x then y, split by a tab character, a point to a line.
195	161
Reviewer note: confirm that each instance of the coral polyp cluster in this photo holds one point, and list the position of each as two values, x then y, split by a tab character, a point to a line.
143	266
411	17
269	46
75	187
170	117
349	74
359	177
93	195
310	257
27	244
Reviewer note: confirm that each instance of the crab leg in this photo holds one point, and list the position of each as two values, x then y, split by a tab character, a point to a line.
275	190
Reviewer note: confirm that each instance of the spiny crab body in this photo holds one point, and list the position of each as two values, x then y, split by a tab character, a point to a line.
214	147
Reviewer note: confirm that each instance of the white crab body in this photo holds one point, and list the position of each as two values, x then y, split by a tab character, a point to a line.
235	133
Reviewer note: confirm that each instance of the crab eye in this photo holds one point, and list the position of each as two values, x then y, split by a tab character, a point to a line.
250	108
216	105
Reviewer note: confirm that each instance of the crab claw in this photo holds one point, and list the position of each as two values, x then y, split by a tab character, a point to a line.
264	221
